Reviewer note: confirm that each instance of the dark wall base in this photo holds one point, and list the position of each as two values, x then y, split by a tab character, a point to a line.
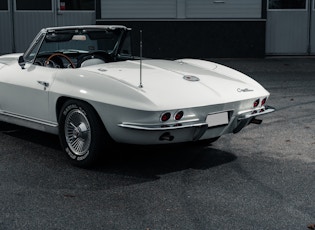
198	39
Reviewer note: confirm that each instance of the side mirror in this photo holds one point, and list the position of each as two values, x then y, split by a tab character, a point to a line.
21	62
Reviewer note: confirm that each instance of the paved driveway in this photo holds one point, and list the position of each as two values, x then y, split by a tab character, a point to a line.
261	178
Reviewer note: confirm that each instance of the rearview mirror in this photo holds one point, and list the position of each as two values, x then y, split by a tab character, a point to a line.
21	62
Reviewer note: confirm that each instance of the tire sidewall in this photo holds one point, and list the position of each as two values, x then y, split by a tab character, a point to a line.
92	154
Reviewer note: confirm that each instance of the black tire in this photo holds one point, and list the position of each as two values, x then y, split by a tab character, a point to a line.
81	133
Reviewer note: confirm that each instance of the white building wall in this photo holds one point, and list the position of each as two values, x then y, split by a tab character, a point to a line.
180	9
223	9
6	35
122	9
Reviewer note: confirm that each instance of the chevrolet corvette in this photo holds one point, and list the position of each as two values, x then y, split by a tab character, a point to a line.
84	84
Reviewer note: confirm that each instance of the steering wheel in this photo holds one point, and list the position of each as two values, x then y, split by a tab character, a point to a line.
62	55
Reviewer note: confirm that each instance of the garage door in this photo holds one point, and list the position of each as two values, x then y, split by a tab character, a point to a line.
32	15
290	27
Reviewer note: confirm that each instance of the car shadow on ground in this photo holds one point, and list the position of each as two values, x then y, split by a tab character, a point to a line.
143	162
33	136
153	161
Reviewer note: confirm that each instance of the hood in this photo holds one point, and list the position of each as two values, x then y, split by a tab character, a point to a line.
184	82
9	58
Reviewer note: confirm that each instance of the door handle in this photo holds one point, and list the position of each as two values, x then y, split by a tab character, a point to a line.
43	83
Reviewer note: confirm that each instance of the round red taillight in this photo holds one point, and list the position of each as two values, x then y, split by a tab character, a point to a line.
256	103
178	115
165	116
263	101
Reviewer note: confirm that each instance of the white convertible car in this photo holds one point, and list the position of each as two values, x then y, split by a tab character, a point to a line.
84	84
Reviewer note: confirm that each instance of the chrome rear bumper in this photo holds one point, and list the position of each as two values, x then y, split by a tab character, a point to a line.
246	118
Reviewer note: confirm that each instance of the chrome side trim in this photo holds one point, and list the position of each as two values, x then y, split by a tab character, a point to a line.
41	125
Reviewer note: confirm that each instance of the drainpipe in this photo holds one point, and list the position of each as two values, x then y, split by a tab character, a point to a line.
57	12
13	26
309	27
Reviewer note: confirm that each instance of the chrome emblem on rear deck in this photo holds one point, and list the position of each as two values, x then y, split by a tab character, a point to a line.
191	78
244	90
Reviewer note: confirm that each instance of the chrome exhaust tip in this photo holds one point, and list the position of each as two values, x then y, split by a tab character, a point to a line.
256	121
166	137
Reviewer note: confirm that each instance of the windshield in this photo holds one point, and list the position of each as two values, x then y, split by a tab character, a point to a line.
80	41
79	47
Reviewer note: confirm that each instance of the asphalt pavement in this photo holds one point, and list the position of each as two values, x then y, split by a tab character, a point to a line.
260	178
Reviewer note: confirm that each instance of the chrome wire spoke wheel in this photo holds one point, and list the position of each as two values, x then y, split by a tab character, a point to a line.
82	133
77	132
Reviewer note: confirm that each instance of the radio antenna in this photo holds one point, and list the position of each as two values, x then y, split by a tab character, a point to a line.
140	59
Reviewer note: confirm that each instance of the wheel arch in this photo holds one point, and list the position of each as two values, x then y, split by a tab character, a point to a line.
87	139
62	100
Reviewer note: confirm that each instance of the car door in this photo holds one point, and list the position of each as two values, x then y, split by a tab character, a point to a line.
24	92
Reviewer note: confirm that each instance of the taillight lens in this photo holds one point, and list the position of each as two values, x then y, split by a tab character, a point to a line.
178	115
263	101
165	116
256	103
